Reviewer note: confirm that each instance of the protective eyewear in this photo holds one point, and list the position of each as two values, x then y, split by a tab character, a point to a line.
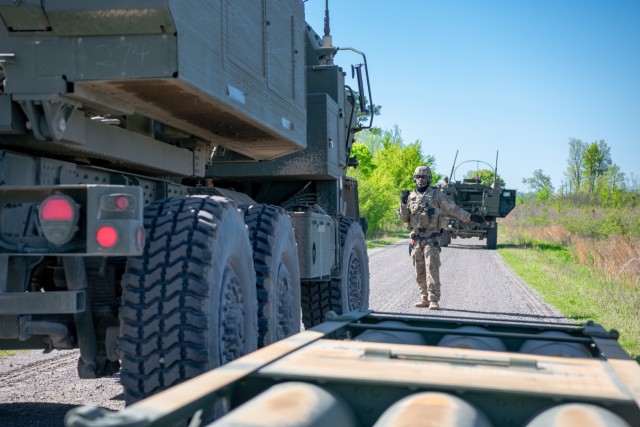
421	177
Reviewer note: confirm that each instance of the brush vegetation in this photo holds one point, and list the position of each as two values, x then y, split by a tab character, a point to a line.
584	259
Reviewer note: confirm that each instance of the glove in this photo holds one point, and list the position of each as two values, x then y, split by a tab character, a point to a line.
405	196
477	218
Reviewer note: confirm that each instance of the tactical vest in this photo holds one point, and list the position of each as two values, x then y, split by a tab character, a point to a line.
424	211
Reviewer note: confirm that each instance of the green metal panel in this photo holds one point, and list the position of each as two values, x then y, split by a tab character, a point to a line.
122	17
319	161
329	197
327	79
62	302
26	15
229	72
507	202
315	234
11	119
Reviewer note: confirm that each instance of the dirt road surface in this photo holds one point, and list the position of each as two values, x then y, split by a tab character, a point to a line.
37	389
476	283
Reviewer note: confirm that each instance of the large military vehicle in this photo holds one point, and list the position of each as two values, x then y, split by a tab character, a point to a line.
173	189
384	369
490	201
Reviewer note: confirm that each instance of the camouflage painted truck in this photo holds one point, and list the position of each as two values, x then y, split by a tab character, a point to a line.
384	369
173	189
490	201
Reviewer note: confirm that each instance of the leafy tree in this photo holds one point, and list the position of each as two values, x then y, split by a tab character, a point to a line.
612	187
574	172
540	184
596	160
365	158
485	175
385	167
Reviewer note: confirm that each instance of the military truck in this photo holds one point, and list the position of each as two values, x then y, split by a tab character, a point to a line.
173	188
490	201
386	369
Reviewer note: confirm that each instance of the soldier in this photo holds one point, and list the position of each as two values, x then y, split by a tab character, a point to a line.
421	211
444	183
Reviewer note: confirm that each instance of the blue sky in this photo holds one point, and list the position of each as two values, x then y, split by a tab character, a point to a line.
517	77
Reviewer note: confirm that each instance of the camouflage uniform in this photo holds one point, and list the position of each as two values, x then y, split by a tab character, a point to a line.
423	214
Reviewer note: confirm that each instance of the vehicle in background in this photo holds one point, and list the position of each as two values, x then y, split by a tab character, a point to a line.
490	201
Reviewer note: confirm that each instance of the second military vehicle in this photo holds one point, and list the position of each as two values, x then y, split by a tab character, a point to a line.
490	201
173	188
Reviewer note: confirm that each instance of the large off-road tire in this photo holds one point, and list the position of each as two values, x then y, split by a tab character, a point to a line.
275	257
349	292
492	237
189	302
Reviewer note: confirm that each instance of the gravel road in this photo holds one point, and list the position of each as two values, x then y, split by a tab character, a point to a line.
37	389
475	283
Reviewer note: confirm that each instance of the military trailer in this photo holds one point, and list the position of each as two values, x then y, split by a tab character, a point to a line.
173	188
386	369
490	201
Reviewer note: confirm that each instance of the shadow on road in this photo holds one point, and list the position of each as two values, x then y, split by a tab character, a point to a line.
36	414
480	316
31	414
463	246
500	313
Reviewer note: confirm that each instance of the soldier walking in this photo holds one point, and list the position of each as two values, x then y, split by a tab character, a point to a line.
422	211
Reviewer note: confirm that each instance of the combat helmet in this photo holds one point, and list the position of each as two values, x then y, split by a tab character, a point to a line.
423	170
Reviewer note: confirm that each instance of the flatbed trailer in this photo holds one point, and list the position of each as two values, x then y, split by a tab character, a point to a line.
389	369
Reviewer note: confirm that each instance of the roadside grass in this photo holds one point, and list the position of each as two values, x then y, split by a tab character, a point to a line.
7	353
580	292
386	238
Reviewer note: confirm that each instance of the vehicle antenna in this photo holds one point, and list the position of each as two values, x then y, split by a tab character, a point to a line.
327	48
451	178
495	171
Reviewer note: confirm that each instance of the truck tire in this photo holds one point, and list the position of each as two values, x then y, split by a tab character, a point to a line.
275	257
351	290
189	302
492	237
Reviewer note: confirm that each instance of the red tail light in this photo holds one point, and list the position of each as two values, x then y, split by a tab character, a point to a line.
107	236
58	216
56	208
122	202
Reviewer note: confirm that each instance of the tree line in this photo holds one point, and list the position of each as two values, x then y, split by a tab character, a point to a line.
591	175
385	166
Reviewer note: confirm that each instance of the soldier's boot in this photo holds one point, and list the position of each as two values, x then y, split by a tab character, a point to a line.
433	305
422	304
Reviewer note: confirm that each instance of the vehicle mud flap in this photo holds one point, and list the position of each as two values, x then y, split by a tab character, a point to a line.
189	301
492	237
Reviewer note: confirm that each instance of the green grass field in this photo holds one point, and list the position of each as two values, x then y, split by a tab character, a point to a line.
579	292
